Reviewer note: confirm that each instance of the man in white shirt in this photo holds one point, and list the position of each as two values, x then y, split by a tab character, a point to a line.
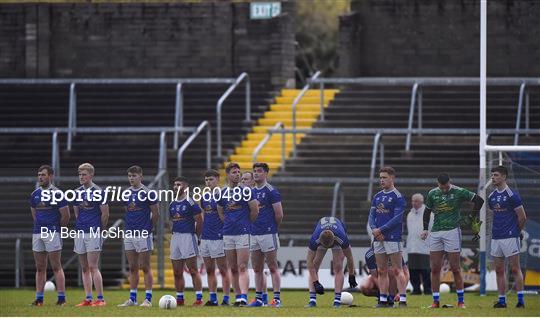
418	249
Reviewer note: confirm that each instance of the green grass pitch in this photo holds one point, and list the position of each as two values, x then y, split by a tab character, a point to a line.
16	303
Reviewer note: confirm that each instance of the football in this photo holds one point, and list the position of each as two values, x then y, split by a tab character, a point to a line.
346	298
167	302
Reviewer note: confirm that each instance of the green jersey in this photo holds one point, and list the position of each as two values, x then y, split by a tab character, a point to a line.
446	207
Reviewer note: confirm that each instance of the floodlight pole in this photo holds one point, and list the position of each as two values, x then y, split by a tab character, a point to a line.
483	141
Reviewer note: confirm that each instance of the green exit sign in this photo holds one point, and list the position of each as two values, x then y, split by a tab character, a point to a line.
264	10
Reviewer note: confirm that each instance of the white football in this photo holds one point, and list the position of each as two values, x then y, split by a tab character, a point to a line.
346	298
167	302
444	288
49	286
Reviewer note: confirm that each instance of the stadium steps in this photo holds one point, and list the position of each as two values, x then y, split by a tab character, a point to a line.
308	110
333	157
112	106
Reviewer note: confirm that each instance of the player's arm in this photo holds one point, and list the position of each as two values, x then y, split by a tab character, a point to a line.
350	265
253	209
220	213
33	210
278	212
478	203
397	220
64	215
521	216
76	211
104	215
198	223
154	208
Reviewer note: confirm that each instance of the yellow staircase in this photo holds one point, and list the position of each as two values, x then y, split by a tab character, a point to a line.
307	112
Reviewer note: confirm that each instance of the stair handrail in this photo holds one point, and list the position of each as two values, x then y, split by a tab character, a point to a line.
205	125
414	97
523	94
264	141
219	106
376	140
295	104
338	193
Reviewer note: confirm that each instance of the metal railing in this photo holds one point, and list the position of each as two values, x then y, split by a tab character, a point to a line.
295	105
417	94
376	140
219	106
161	182
204	125
55	154
523	94
179	105
19	264
264	141
338	193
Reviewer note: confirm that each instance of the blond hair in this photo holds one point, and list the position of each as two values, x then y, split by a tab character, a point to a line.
327	238
88	167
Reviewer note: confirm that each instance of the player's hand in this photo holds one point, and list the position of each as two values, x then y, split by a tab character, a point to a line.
319	289
424	234
376	232
352	281
476	237
521	236
380	238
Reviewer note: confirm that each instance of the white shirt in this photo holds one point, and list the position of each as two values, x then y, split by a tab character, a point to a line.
415	226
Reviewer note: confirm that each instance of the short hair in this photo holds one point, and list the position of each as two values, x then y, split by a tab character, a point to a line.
417	195
49	169
326	238
262	165
388	170
500	169
181	179
87	166
231	166
443	178
211	173
250	172
134	169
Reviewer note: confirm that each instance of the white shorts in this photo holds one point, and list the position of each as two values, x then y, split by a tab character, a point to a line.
88	243
448	241
505	247
184	246
47	243
385	247
139	244
265	243
235	242
212	248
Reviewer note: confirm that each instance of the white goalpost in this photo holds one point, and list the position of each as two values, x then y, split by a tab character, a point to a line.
484	147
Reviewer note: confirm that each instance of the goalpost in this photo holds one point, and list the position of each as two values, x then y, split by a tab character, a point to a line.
484	147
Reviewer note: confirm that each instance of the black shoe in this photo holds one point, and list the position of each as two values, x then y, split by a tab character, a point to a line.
402	304
240	303
211	303
416	292
383	304
37	303
499	305
520	305
60	302
225	303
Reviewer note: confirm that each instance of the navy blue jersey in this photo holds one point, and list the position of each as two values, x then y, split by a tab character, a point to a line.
138	213
47	214
333	224
503	205
371	263
212	224
89	208
386	213
182	215
266	221
236	213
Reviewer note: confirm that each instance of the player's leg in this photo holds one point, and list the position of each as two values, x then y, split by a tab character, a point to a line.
40	259
225	278
179	283
144	264
454	260
133	262
393	289
382	269
401	280
436	260
93	266
59	278
191	264
242	255
272	263
233	265
515	268
337	261
501	278
87	280
257	262
314	260
210	266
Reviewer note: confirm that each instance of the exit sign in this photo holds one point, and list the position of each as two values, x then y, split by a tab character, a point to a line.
264	10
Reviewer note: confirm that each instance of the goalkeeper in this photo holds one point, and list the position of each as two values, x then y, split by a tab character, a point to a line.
445	202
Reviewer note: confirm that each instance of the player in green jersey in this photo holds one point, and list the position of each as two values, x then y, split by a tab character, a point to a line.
445	203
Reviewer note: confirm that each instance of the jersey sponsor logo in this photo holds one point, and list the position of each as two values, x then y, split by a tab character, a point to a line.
132	207
177	217
232	205
381	208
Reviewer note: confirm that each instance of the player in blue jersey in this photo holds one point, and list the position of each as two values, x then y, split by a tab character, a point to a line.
142	214
264	240
186	219
90	214
329	233
237	207
211	247
46	239
386	223
370	285
508	222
